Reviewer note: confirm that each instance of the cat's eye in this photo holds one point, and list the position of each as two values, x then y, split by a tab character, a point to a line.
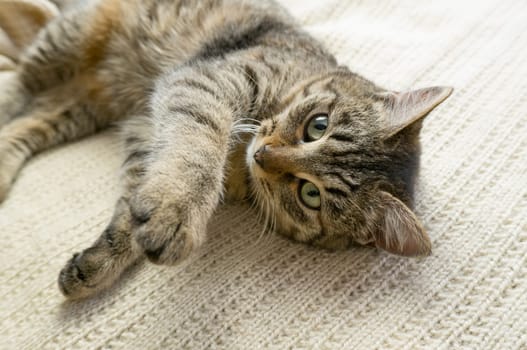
309	195
316	128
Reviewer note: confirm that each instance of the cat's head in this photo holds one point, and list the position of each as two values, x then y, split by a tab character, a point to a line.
337	164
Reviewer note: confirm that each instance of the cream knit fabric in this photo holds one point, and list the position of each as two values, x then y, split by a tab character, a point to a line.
238	292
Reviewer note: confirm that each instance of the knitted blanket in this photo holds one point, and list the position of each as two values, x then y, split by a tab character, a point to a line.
243	291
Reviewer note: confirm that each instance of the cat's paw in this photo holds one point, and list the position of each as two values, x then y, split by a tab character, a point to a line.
85	274
164	228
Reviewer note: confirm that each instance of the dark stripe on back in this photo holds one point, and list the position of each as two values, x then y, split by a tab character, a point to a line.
198	85
232	38
196	113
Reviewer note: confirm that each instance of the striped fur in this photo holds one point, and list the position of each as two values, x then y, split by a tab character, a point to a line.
191	83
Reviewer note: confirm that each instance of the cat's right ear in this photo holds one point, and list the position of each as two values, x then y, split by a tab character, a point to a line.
403	109
399	231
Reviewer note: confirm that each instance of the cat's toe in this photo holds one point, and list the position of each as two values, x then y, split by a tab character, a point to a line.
72	279
80	277
164	243
161	233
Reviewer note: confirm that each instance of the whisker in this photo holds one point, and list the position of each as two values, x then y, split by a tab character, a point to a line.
270	217
262	207
255	121
244	126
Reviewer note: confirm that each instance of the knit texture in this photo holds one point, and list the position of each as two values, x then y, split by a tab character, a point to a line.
241	291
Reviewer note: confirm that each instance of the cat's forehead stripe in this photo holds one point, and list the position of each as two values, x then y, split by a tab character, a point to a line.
302	91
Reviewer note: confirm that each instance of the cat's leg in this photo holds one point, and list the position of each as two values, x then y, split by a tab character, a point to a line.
68	46
98	266
192	115
173	178
43	127
49	61
13	97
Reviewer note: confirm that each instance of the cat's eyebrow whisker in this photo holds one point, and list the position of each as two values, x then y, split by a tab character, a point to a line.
255	121
245	125
244	129
239	128
248	122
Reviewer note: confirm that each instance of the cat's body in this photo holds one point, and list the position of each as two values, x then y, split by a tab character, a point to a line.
191	82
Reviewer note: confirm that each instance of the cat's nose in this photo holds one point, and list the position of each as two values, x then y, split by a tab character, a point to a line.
259	156
276	160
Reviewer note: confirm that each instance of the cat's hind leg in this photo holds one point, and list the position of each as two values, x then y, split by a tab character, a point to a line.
13	97
69	46
98	266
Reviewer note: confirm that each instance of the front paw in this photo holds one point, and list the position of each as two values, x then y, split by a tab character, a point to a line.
85	274
165	230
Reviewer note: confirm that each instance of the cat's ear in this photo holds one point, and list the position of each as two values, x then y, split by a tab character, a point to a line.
403	109
399	231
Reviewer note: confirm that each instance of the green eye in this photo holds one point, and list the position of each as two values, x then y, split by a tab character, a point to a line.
310	195
316	128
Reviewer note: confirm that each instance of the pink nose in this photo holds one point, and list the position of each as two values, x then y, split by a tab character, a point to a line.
259	156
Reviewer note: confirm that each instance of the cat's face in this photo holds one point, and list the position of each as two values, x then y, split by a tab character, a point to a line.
337	164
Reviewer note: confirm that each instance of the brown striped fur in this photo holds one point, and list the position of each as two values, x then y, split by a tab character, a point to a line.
213	98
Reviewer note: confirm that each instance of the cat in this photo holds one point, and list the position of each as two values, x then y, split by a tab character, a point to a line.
217	98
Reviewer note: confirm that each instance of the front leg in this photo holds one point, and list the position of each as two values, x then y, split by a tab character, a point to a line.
180	192
192	119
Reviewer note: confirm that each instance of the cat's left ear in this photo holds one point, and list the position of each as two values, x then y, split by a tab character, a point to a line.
399	231
403	109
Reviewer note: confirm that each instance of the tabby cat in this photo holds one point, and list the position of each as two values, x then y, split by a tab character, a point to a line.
216	98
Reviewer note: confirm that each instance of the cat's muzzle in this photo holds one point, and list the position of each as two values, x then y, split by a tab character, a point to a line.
259	156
